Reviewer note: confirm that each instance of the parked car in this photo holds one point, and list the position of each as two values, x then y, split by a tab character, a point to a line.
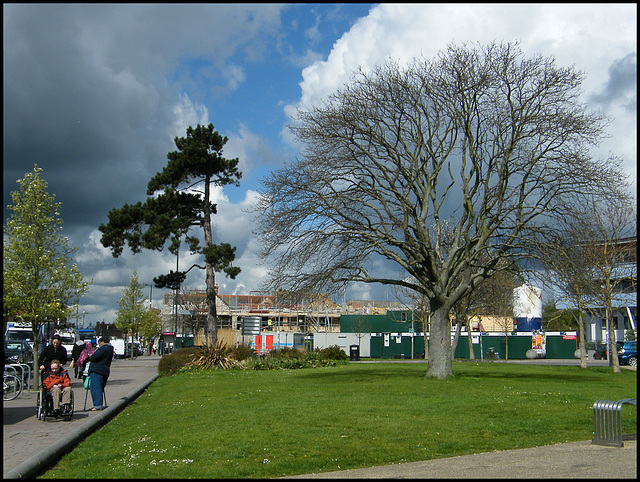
603	350
628	353
137	351
18	351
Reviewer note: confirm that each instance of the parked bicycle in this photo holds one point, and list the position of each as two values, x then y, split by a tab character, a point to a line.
11	387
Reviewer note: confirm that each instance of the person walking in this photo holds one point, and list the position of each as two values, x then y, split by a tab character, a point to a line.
99	369
78	347
53	351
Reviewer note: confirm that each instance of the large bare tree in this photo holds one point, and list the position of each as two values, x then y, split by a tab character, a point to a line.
480	137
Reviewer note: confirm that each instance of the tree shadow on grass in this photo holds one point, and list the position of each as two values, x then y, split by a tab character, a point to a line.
568	374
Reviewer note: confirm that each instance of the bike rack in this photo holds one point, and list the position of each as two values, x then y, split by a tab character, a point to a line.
21	366
607	422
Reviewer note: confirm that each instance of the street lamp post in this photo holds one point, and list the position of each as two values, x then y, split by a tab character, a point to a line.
175	304
150	292
150	285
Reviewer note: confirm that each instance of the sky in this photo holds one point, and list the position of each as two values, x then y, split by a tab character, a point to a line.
95	94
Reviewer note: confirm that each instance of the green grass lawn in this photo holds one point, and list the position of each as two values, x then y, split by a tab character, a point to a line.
240	424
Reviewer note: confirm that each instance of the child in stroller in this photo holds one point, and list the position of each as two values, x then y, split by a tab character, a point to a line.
56	397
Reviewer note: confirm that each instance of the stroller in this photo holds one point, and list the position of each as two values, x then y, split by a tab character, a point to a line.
44	404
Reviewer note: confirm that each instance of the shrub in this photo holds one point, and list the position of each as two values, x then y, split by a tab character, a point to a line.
288	353
270	363
333	352
314	356
172	363
294	363
261	363
241	352
243	357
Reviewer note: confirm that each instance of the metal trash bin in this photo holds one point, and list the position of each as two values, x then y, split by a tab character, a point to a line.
354	352
492	354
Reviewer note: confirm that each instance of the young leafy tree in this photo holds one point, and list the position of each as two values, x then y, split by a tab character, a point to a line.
151	324
131	310
492	141
179	200
41	282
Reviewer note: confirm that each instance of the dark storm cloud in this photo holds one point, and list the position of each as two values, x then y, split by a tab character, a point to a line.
80	122
89	95
621	86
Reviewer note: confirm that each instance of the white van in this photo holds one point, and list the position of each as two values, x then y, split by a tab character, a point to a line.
118	347
22	332
67	340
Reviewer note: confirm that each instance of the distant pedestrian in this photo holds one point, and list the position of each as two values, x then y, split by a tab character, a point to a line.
155	348
75	353
99	371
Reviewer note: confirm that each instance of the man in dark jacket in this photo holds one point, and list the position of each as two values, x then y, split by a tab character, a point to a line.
75	353
54	351
99	369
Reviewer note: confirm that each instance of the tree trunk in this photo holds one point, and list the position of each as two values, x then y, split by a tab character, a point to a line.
506	341
426	329
613	349
212	313
582	341
472	355
440	345
456	338
36	365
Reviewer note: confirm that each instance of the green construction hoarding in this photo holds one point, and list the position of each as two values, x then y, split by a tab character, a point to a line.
559	345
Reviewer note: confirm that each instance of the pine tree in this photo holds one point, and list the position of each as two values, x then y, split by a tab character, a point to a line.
183	203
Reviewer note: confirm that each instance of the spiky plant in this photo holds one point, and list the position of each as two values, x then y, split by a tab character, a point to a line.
217	356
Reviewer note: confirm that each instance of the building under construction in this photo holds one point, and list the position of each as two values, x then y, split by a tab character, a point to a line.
185	312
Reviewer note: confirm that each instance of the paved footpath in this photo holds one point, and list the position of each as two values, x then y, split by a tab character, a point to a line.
571	460
25	436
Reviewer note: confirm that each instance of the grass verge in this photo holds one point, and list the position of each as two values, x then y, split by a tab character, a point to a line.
244	424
